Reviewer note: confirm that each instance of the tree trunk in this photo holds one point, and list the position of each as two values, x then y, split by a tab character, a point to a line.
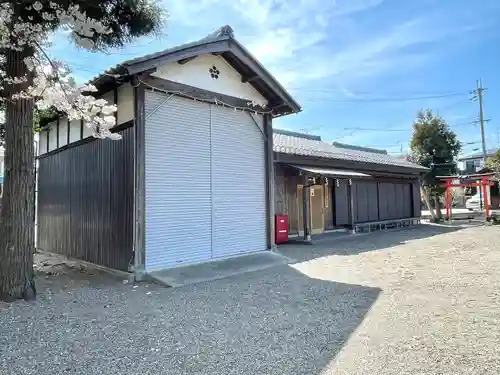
17	235
439	214
428	204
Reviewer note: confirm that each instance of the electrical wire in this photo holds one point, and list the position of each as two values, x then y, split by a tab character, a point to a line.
359	93
398	98
214	100
379	100
409	129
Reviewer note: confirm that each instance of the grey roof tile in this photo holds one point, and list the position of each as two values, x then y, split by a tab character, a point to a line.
287	143
221	34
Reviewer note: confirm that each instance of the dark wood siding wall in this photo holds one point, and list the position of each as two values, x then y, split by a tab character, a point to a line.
395	200
365	201
387	197
342	203
373	200
85	201
287	200
286	196
417	206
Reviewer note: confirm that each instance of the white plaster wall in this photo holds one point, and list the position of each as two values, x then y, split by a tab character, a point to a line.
125	103
63	131
87	132
42	142
196	73
125	113
52	136
109	97
74	131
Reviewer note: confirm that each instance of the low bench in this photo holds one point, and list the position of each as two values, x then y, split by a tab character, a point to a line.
385	224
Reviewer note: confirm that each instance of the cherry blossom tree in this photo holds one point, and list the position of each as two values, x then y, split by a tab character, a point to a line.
29	80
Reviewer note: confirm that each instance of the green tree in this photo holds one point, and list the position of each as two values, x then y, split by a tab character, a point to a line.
434	145
40	118
24	29
493	162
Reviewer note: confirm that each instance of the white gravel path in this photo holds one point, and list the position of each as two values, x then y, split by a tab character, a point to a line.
377	304
439	310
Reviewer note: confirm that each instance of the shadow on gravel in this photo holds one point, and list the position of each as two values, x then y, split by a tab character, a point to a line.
275	321
335	244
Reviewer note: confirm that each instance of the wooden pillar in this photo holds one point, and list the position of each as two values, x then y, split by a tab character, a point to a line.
378	200
451	202
306	196
484	182
139	181
447	202
351	204
270	178
334	208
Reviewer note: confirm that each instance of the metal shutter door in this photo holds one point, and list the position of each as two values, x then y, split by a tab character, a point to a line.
178	199
238	183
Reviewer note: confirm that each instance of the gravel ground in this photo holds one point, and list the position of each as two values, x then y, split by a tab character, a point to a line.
419	301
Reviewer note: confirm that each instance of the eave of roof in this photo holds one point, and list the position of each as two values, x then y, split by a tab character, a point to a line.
298	145
219	42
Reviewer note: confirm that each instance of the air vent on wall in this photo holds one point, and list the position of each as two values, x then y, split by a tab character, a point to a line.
214	72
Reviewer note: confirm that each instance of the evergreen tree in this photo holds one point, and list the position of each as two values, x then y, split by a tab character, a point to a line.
435	146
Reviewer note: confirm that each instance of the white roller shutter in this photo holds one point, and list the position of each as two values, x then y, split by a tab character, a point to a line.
238	183
178	196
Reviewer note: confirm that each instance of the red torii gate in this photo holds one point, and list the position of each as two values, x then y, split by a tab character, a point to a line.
467	181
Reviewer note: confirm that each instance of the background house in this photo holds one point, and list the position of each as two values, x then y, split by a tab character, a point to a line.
192	178
472	163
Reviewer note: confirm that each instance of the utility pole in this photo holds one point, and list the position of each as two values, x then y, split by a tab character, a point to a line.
479	94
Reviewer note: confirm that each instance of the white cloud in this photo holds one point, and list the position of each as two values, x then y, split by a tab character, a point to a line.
301	41
282	34
306	43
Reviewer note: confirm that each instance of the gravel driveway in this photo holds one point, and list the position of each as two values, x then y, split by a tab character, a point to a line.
419	301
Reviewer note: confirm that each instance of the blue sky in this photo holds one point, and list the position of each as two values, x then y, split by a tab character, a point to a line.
361	69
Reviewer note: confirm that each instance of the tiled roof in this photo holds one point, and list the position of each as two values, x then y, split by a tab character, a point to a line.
298	144
224	33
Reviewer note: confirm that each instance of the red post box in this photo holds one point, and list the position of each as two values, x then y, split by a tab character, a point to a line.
281	226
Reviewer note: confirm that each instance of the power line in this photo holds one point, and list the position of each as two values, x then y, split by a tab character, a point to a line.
398	98
359	93
330	100
378	100
454	104
376	129
409	129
